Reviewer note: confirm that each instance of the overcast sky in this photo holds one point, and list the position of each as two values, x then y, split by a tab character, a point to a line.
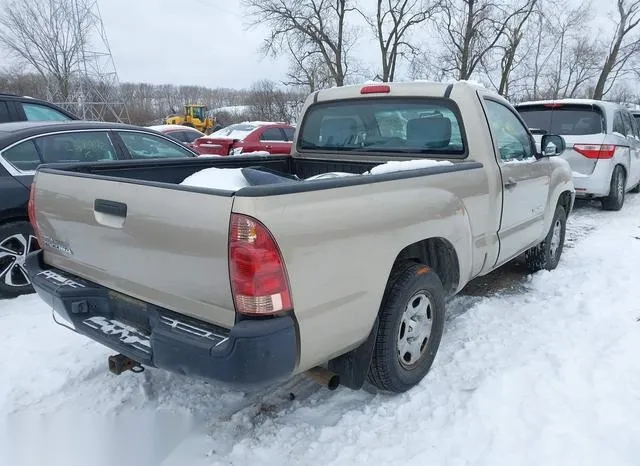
199	42
186	42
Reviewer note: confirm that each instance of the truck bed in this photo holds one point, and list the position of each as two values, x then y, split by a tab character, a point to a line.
131	227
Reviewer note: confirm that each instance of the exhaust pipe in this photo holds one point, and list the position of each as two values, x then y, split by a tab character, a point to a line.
119	363
324	377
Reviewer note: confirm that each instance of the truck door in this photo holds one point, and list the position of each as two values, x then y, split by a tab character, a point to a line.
525	181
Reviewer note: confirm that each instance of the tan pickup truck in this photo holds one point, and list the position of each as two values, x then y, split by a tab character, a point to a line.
335	261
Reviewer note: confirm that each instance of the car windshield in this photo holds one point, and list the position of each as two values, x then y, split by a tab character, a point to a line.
238	131
389	125
567	120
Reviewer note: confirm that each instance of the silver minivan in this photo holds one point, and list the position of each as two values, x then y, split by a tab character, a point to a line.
603	144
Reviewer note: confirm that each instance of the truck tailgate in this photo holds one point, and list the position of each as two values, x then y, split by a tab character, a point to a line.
164	246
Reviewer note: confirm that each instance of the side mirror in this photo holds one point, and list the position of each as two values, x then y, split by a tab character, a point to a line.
552	145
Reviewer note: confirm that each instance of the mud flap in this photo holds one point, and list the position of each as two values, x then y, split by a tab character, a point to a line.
353	367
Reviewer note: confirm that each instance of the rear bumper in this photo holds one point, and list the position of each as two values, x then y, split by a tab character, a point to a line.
253	352
598	183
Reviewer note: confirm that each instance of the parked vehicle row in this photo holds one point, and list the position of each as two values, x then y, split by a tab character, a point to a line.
424	187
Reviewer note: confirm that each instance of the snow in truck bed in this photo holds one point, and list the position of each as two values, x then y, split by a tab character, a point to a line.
232	179
549	375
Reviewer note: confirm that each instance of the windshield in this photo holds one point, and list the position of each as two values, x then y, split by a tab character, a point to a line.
391	125
566	120
198	112
238	131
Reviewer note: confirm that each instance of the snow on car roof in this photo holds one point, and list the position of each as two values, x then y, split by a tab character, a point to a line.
170	127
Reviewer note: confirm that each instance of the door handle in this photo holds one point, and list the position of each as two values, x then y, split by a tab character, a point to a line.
117	209
510	183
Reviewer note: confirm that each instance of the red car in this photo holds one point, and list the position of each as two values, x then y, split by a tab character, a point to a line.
183	134
251	136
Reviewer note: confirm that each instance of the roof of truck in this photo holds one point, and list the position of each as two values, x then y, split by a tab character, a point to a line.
400	89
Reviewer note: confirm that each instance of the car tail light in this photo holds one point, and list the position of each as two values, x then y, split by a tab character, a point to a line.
553	105
31	210
376	89
595	151
259	281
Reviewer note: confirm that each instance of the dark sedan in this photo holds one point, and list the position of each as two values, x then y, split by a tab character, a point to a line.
26	145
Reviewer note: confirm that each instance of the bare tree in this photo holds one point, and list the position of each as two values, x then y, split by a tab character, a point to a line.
471	29
318	24
48	36
513	36
621	50
307	69
392	24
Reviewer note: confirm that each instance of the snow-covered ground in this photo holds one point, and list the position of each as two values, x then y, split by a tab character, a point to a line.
545	371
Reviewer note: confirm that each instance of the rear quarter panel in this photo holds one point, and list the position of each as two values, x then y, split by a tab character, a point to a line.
339	246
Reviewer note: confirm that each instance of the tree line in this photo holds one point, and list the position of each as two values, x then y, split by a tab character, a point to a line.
524	49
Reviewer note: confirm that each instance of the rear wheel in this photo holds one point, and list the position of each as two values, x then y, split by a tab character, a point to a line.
16	241
615	199
411	325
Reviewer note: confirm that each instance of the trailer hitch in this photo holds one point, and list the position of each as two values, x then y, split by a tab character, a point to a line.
119	363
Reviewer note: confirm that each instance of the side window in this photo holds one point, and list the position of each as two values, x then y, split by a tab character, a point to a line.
190	136
177	135
4	112
272	134
35	112
76	147
146	146
628	124
289	132
636	128
618	124
510	134
23	157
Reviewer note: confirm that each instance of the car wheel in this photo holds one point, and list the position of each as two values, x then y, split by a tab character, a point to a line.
615	199
546	255
411	324
16	241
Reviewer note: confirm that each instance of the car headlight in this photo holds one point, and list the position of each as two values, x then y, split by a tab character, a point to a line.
236	151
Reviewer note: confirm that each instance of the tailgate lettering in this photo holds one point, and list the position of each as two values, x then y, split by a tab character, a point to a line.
126	334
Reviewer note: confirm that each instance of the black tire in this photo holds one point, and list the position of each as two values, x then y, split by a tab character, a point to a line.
546	255
410	284
615	199
189	125
13	278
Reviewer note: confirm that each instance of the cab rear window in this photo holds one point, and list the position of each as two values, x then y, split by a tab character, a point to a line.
566	120
385	125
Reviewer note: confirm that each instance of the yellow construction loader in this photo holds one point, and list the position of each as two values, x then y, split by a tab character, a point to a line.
193	116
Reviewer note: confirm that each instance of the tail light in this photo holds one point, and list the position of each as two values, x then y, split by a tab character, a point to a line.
31	210
595	151
259	280
376	89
